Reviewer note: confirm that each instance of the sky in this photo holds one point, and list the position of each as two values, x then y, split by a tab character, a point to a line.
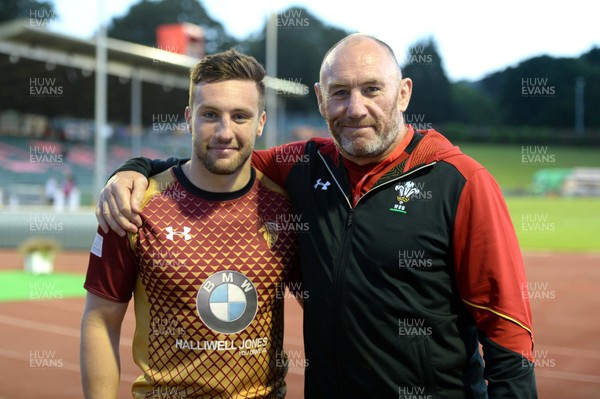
474	38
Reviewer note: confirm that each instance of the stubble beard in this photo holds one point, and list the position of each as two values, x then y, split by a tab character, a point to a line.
372	148
221	166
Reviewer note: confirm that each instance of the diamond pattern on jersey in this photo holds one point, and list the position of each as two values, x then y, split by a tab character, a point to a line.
185	240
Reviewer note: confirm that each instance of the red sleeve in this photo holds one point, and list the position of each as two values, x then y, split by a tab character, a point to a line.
489	267
112	268
277	162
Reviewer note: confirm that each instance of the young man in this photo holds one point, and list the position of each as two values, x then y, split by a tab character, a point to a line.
412	260
207	265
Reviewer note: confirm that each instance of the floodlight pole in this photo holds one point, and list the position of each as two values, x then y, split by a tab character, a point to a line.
136	116
579	105
100	103
271	93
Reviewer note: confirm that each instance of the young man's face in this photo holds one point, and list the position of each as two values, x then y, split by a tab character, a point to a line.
225	121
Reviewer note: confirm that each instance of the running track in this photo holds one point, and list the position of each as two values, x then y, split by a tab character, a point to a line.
564	288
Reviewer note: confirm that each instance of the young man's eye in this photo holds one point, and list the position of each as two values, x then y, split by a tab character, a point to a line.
209	115
241	117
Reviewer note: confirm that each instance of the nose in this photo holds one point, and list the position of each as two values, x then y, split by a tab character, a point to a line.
356	105
224	130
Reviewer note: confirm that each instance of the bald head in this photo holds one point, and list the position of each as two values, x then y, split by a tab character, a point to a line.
360	42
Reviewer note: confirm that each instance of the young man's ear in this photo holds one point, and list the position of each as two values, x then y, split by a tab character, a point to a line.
188	119
319	95
261	124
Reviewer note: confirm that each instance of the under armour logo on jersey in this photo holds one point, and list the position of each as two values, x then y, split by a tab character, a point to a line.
185	233
323	185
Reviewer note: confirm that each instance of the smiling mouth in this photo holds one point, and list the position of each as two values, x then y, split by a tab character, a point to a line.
357	127
222	148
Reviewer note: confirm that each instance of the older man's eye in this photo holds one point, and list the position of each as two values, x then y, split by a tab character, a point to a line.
341	92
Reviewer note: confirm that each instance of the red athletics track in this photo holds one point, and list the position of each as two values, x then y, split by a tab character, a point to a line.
564	289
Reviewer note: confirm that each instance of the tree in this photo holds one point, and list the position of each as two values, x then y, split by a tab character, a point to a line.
431	100
473	106
14	9
540	91
142	19
592	57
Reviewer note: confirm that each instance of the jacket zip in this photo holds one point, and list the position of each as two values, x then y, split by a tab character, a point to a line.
340	269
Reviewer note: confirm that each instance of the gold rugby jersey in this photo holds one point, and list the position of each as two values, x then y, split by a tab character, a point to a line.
207	272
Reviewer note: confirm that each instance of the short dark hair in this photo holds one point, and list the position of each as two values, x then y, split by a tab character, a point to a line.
229	65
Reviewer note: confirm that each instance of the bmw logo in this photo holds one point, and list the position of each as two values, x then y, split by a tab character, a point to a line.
227	302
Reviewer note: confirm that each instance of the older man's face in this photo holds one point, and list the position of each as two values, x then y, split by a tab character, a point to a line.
361	97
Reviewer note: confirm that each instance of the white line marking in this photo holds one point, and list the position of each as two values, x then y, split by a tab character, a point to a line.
49	328
65	365
564	375
575	352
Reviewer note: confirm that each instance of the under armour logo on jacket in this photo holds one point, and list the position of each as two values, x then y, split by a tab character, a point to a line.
323	185
185	233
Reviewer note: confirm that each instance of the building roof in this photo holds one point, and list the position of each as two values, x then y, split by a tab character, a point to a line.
32	56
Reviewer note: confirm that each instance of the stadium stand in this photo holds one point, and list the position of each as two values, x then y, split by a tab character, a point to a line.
28	163
582	182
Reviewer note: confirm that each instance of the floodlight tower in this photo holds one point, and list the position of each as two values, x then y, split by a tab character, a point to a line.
100	103
271	94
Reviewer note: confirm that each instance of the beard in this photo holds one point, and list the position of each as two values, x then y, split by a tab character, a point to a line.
367	146
222	166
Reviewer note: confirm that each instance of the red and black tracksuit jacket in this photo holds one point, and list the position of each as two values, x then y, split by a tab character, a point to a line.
403	282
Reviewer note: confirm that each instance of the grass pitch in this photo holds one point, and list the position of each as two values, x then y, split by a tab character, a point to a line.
513	166
556	224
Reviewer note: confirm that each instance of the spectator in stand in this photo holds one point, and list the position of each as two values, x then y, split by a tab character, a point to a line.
50	190
68	186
